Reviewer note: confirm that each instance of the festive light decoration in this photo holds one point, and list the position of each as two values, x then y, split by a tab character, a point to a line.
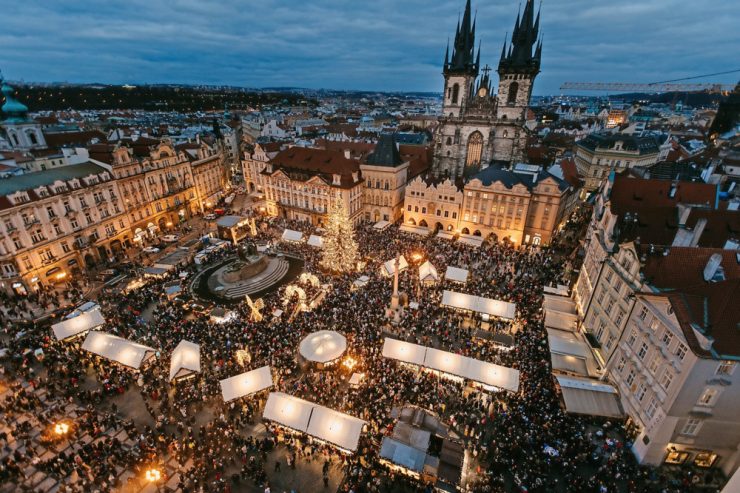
340	248
256	307
153	475
61	428
350	362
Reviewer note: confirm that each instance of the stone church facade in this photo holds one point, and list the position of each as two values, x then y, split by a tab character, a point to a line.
479	126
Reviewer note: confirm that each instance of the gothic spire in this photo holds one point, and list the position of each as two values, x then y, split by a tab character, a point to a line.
463	52
447	53
524	41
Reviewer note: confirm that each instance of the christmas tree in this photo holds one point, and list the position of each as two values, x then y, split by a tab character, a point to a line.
339	246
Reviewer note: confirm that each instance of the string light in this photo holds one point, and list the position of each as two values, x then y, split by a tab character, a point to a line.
340	248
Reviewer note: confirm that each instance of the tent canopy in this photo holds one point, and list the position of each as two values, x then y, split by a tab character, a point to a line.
381	225
561	320
487	306
117	349
321	422
566	343
457	274
246	383
323	346
402	454
417	230
78	325
389	268
185	360
559	304
428	273
316	241
445	235
584	396
290	235
471	240
453	364
560	290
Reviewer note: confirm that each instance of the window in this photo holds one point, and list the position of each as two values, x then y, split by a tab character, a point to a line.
409	208
632	338
709	397
643	351
651	407
654	364
681	350
631	377
475	149
609	342
618	319
513	91
726	368
665	382
643	313
667	337
455	93
620	365
65	247
691	427
641	391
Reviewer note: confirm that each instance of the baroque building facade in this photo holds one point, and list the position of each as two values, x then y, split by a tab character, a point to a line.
479	126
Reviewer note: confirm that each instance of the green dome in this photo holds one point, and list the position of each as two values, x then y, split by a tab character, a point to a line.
12	107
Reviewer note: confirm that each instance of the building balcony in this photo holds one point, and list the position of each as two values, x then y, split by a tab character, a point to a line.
11	229
30	223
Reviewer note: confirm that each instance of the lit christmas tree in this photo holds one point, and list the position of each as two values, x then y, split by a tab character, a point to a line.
339	246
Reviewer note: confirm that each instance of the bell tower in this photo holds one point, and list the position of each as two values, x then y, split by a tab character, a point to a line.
461	70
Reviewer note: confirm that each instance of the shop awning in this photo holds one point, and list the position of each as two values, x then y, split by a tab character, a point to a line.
117	349
561	320
288	411
290	235
185	360
316	241
591	397
403	455
246	383
471	240
53	271
404	351
381	225
78	325
486	306
446	235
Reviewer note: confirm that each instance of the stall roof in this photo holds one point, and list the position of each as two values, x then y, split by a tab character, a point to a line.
290	235
361	281
561	320
288	411
446	235
381	225
155	271
562	342
559	304
402	454
316	241
416	230
185	359
456	274
427	272
404	351
323	346
334	427
117	349
246	383
592	397
389	268
474	241
230	221
488	306
78	325
559	290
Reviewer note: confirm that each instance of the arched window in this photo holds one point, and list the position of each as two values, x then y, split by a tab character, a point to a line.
475	149
455	93
32	137
15	139
449	141
513	90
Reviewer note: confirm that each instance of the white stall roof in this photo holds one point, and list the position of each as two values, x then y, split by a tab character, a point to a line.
78	325
417	230
445	235
593	397
246	383
402	454
559	304
389	268
404	351
185	359
117	349
316	241
85	307
381	225
474	241
290	235
427	272
562	342
288	411
361	281
457	274
334	427
560	320
559	290
323	346
488	306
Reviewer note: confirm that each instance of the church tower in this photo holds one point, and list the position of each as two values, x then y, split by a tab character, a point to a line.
461	70
21	133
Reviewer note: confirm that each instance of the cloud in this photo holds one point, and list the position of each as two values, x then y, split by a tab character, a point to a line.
380	45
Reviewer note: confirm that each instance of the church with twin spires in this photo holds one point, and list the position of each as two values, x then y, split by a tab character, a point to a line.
479	126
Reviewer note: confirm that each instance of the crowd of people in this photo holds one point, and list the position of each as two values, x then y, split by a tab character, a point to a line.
521	441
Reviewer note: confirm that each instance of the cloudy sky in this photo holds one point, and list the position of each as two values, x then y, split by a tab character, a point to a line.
353	44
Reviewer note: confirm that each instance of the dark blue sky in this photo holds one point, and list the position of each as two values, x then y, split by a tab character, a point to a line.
351	44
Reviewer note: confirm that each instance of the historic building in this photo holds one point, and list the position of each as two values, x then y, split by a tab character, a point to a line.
55	222
385	173
477	125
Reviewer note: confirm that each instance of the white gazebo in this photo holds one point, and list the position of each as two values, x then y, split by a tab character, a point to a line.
456	274
246	384
79	325
315	241
323	347
292	236
114	348
428	273
185	360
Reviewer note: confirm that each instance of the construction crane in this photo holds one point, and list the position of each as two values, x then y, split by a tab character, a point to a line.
654	87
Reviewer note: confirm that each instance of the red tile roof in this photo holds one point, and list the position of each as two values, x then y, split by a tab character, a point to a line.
684	266
570	172
629	194
303	163
81	138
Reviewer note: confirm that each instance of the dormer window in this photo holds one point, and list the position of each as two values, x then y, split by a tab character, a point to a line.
336	180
